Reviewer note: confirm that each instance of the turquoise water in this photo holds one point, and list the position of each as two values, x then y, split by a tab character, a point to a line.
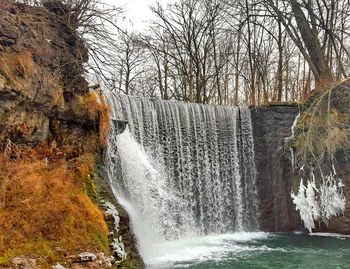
252	251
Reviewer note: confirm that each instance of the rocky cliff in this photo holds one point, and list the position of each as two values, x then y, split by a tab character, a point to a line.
53	202
275	174
41	71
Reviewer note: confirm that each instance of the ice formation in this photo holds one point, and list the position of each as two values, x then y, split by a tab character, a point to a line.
117	244
119	248
114	213
290	138
322	203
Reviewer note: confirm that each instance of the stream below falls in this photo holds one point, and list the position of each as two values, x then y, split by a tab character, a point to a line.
252	251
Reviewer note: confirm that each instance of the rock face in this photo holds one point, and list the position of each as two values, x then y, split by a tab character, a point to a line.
276	178
41	71
133	259
43	94
271	126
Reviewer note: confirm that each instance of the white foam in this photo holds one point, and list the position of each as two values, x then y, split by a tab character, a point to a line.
199	249
298	232
335	235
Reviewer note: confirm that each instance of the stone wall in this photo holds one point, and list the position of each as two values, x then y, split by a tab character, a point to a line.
271	126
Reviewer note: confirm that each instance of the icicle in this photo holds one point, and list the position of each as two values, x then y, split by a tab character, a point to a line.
328	204
290	138
305	203
332	200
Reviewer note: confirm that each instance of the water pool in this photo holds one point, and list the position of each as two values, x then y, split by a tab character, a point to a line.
252	251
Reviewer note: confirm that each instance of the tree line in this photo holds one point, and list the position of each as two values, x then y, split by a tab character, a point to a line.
226	52
234	52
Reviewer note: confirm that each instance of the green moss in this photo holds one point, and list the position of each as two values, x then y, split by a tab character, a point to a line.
100	238
38	247
91	188
130	264
5	261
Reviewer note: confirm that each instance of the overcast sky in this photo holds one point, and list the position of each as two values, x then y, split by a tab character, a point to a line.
136	11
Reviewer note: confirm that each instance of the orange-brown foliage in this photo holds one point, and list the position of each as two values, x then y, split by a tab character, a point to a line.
14	65
99	109
44	206
18	68
22	72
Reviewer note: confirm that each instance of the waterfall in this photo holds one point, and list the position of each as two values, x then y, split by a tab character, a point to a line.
183	169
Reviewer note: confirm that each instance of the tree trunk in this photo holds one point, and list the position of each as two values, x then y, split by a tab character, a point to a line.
318	65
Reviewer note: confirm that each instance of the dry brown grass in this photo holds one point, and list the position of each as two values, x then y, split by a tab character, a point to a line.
22	73
17	66
322	129
44	206
99	110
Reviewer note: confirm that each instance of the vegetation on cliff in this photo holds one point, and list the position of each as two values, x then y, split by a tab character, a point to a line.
45	209
323	126
322	132
52	134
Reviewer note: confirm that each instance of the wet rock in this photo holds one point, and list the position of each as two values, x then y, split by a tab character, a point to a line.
271	126
87	257
119	125
58	266
118	221
23	263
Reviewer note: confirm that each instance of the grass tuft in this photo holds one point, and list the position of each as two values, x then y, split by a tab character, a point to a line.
44	205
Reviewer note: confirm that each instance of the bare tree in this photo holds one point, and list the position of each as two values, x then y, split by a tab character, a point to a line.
97	23
131	63
304	34
227	52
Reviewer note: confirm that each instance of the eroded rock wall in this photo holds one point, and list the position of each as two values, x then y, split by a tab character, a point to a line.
41	71
44	104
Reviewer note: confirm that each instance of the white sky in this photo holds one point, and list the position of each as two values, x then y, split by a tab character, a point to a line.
136	11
